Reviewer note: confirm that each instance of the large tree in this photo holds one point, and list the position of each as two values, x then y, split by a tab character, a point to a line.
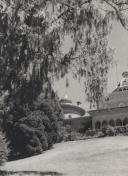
32	33
31	38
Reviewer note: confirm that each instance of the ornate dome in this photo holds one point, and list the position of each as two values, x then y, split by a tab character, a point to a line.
124	82
119	97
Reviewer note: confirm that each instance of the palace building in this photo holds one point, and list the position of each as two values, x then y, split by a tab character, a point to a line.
70	110
75	115
113	112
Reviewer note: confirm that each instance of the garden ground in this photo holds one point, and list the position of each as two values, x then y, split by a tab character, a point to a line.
95	157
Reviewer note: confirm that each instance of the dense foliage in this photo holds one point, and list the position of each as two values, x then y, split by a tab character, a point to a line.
32	130
72	135
32	34
3	149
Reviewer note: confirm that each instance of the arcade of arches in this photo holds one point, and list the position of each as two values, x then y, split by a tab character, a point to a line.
113	123
109	117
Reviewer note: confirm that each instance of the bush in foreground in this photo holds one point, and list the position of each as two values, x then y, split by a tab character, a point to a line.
34	129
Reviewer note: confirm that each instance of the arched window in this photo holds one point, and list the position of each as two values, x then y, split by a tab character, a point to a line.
98	125
112	123
104	124
118	122
125	121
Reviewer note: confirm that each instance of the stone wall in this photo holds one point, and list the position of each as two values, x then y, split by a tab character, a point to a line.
80	124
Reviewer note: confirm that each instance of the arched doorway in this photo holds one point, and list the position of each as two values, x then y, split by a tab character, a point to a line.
118	122
125	121
97	125
104	124
112	123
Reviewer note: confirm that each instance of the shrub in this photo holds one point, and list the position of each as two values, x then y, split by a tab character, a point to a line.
126	129
67	133
30	138
34	129
110	131
120	130
100	134
54	122
3	149
91	132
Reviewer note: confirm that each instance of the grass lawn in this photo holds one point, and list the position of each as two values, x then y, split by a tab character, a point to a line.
96	157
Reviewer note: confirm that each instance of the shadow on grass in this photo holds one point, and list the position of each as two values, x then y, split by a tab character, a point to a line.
28	173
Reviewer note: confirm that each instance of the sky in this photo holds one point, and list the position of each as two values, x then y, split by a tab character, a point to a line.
118	40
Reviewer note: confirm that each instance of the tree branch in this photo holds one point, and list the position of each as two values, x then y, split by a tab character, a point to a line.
124	9
121	3
88	1
65	4
71	7
117	12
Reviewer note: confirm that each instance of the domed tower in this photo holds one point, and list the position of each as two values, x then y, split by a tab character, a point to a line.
71	110
119	97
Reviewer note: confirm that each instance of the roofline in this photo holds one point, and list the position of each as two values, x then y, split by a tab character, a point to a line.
107	109
69	107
